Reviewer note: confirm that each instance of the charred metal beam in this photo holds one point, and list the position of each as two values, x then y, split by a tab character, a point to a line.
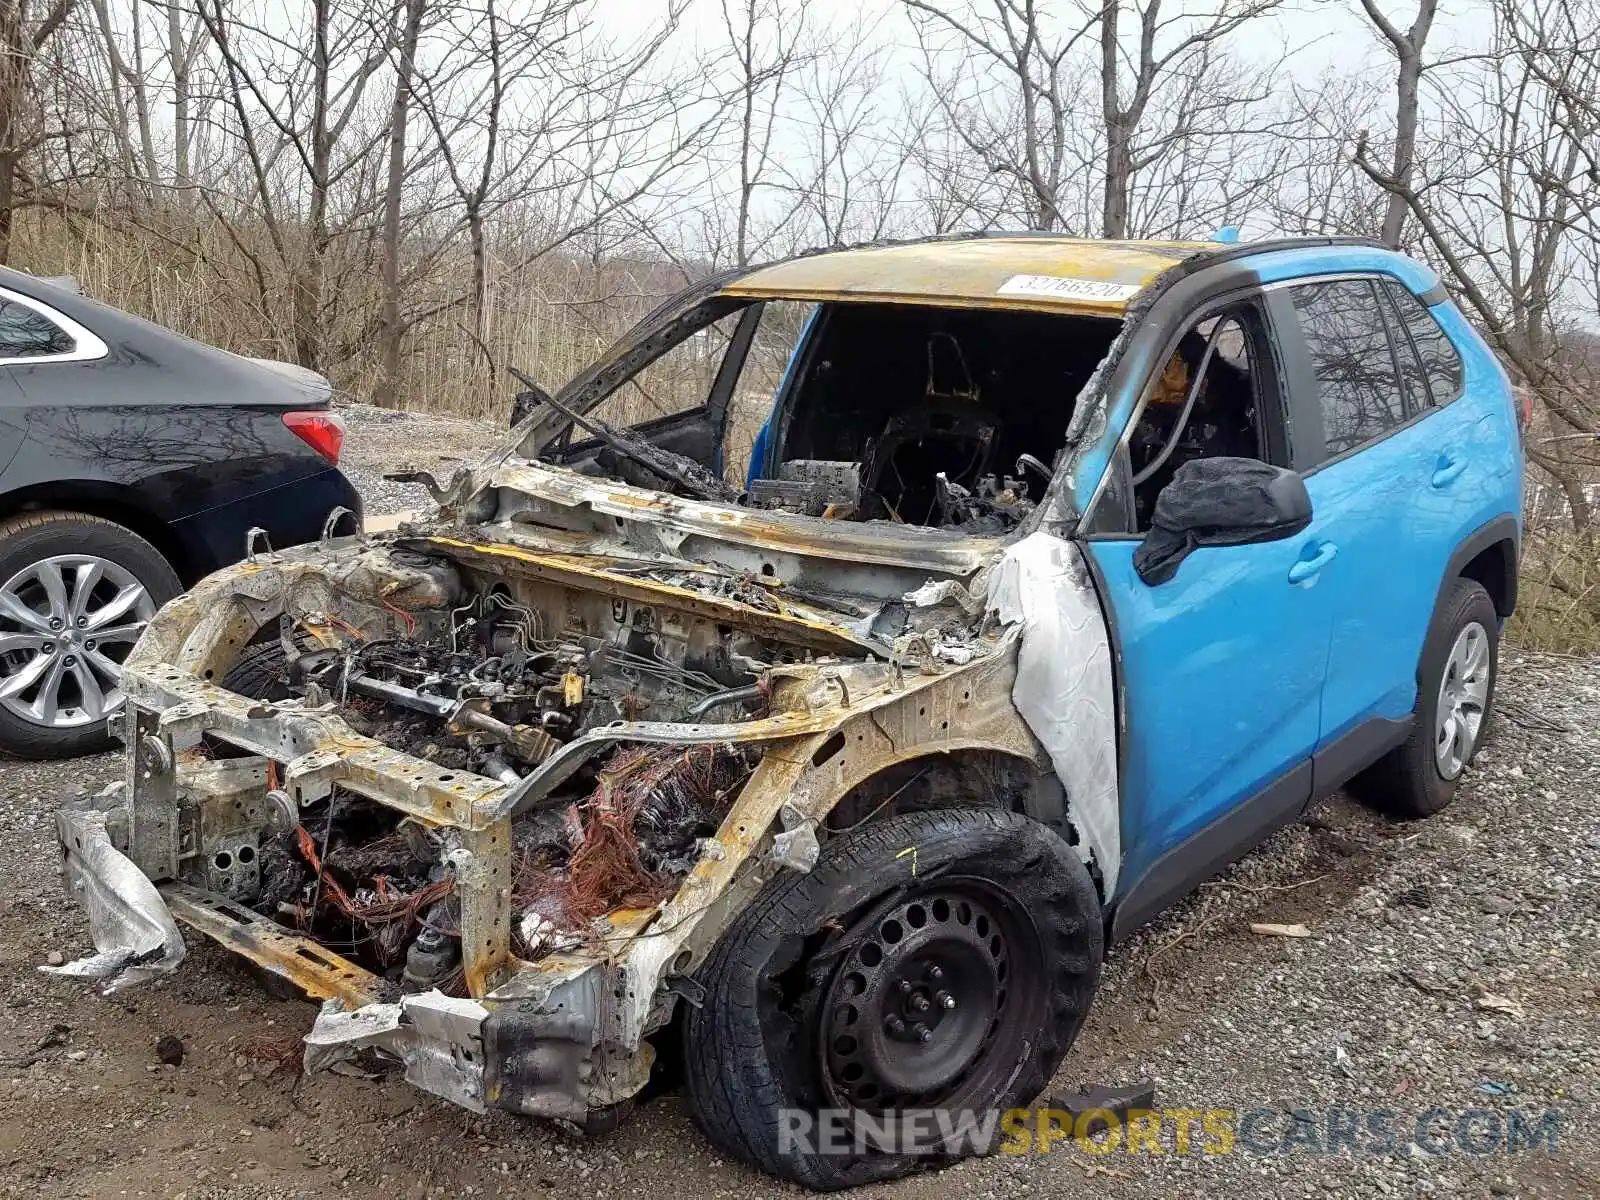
308	965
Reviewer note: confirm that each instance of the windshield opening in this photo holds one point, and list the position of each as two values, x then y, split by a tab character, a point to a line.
913	415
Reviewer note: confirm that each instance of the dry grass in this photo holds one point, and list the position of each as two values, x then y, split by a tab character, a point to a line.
1558	594
549	317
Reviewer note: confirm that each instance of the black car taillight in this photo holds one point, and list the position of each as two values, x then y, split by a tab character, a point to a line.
322	431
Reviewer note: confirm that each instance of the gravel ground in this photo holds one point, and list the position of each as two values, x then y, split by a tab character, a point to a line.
1452	963
381	439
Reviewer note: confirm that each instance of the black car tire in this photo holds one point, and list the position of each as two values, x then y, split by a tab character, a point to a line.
32	537
1407	783
789	967
259	672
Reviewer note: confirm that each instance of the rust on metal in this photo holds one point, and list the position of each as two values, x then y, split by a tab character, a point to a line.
307	964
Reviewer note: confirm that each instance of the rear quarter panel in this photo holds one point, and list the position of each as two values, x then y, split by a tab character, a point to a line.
176	460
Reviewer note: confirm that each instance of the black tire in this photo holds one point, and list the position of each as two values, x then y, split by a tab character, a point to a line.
753	1048
1408	782
32	537
259	672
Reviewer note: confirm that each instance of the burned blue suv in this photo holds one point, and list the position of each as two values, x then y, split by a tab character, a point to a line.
1059	574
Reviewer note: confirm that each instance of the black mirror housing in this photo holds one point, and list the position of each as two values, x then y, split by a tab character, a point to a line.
1220	502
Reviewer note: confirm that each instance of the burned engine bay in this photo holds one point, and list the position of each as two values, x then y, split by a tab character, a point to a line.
493	686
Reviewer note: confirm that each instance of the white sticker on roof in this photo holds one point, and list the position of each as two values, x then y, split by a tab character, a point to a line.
1064	287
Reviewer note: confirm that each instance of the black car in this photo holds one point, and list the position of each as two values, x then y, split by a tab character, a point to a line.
133	461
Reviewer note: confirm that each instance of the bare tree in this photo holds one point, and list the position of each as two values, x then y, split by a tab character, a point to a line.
1407	46
22	126
1155	70
1013	40
1132	69
1318	190
407	36
1504	192
854	151
309	95
768	44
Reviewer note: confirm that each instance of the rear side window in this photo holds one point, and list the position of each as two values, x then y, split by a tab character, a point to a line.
25	333
1358	387
1440	362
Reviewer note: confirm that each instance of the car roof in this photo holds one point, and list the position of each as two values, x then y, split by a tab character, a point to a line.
1031	272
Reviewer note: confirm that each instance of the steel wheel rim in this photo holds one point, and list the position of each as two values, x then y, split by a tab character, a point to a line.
67	623
923	1010
1463	699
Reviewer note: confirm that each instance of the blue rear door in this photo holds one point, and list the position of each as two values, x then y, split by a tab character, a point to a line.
1397	481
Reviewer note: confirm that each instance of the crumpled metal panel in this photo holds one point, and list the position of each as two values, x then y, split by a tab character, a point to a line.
134	935
1063	688
436	1036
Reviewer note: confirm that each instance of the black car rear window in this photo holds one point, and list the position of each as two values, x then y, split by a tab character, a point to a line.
25	333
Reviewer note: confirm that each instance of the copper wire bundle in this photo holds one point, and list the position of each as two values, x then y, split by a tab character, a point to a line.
634	791
391	916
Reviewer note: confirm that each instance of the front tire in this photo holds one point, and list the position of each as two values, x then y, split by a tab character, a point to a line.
1455	696
76	592
934	960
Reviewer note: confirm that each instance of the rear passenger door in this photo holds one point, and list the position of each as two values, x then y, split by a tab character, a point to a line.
1381	461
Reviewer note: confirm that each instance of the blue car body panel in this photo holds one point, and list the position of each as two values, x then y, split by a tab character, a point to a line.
1221	674
1234	679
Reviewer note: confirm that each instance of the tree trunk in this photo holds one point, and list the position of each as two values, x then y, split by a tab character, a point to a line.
13	62
1119	167
1408	50
480	278
8	183
308	276
182	130
399	114
1119	137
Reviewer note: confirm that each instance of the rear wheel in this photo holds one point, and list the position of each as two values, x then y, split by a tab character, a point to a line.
76	592
936	960
1455	696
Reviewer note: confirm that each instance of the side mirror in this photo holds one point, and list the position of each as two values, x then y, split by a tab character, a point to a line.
1220	502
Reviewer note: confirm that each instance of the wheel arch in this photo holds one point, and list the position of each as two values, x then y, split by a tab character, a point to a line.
1492	563
966	775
